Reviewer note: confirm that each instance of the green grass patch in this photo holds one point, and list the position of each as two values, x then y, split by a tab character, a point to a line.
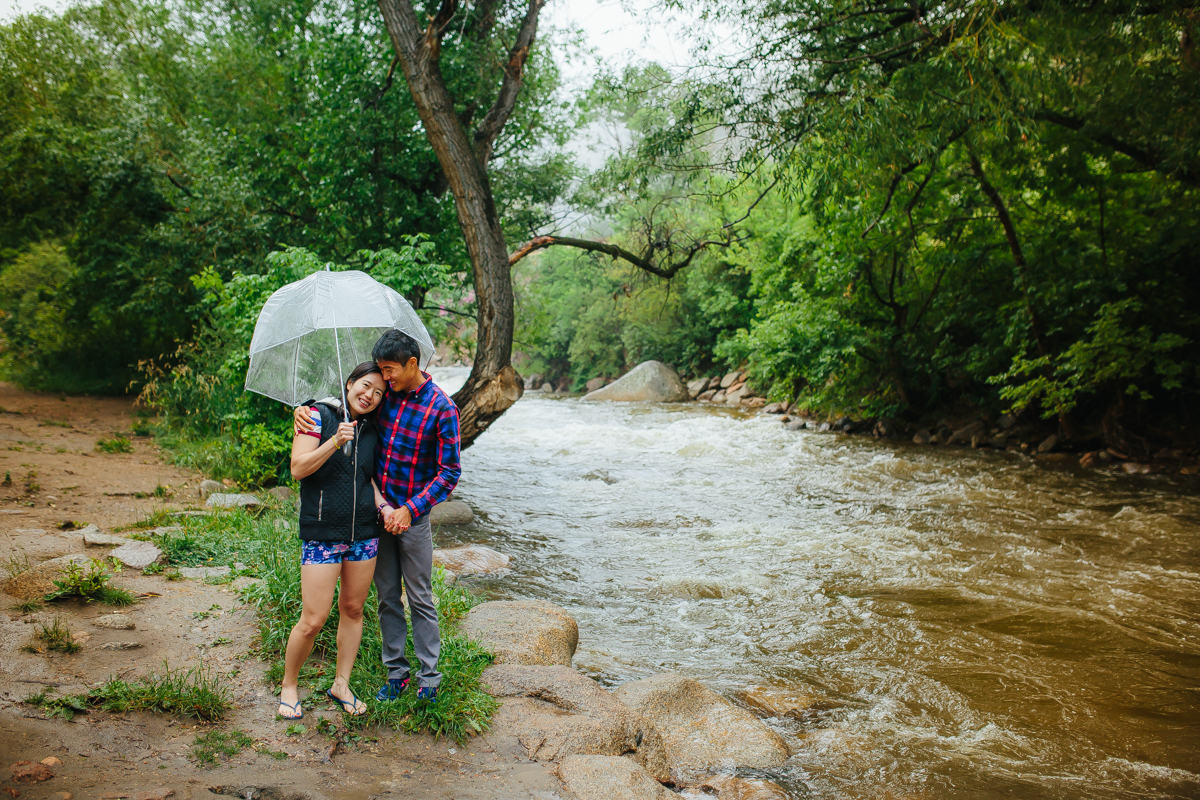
55	637
462	708
194	692
117	444
214	746
91	583
28	606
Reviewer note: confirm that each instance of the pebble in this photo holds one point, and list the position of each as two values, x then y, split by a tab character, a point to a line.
227	500
202	573
94	537
120	646
117	622
136	554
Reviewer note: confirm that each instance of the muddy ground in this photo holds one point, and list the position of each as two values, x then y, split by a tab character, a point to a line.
57	481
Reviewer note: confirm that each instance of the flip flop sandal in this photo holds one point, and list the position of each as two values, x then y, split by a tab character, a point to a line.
294	707
347	705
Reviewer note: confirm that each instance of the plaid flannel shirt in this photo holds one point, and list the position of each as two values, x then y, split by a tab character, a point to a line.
416	461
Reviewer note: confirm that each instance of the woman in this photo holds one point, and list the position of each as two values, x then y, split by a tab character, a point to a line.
338	508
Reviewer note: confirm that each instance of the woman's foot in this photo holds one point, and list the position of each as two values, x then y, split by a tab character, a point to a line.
340	691
289	704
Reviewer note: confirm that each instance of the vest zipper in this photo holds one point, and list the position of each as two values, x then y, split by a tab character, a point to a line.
320	503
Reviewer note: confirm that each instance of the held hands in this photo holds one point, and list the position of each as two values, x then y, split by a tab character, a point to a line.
397	520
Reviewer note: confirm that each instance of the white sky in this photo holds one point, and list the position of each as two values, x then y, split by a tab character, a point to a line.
620	31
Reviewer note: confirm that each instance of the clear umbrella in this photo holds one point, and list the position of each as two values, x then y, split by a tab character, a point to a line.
311	331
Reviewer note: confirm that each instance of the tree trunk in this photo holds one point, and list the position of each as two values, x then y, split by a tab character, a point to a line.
493	385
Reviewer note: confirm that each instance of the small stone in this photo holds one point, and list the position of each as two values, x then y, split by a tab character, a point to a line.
696	387
208	487
774	701
774	408
1005	422
94	537
753	402
227	500
471	559
922	436
719	397
796	425
51	761
600	475
596	383
1048	444
964	435
1135	469
283	494
451	512
979	440
120	646
203	573
116	622
136	554
731	787
885	428
707	395
547	388
532	632
29	772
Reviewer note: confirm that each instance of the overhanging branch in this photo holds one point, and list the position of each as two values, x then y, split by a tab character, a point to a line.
641	262
514	76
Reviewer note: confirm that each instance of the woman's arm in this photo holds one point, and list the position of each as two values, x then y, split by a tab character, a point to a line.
308	455
381	503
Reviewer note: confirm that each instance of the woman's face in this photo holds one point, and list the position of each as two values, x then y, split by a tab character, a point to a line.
364	394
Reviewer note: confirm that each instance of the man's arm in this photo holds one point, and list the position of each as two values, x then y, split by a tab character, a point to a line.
449	467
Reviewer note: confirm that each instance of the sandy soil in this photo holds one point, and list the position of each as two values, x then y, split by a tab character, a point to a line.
47	448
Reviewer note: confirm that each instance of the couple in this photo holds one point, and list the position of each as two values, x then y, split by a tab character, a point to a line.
366	515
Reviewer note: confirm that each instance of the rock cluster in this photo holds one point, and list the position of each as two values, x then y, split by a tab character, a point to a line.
622	743
731	389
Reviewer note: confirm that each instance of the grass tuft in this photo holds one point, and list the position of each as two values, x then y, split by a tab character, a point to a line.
28	606
91	584
55	637
117	444
196	692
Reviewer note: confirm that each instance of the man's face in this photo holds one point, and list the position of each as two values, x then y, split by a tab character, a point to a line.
400	377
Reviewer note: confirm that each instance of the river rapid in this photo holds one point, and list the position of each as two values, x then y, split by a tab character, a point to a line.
968	624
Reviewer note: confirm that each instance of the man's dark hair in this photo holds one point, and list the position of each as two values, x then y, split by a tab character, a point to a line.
396	346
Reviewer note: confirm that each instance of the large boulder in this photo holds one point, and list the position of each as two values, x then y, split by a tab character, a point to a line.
471	559
555	712
651	381
451	512
524	631
703	731
609	778
39	581
731	787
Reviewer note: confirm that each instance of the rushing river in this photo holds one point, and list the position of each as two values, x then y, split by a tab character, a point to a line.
970	624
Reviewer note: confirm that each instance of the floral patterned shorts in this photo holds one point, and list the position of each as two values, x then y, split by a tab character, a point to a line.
337	552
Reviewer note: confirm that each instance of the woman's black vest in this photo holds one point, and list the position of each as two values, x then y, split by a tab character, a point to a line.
330	495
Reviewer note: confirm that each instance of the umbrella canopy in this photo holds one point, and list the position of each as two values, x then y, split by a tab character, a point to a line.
311	333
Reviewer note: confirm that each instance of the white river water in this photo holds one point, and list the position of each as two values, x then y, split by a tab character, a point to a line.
970	624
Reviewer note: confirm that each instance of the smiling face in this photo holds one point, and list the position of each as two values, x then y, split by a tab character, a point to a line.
363	395
401	377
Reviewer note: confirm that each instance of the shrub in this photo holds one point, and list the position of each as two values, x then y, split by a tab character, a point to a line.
117	444
90	584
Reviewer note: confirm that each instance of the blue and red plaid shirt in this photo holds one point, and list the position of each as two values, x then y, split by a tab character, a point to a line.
416	461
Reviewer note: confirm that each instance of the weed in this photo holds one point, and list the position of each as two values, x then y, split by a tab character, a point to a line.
65	707
14	566
61	450
295	729
31	485
7	478
91	584
162	492
195	692
53	637
54	423
220	640
28	606
117	444
210	746
70	524
173	575
152	569
201	615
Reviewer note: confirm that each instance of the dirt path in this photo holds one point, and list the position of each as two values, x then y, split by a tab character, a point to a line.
58	481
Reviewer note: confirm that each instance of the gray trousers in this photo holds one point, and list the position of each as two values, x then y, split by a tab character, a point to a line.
408	559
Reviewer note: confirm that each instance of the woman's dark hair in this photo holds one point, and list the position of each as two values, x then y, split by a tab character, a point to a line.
396	346
365	368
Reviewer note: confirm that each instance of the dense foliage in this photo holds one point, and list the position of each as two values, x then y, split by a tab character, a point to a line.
143	143
974	204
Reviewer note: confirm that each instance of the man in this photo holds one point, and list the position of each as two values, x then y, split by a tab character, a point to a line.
416	467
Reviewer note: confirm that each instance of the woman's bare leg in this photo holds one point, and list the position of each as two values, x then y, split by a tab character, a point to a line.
356	584
317	582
